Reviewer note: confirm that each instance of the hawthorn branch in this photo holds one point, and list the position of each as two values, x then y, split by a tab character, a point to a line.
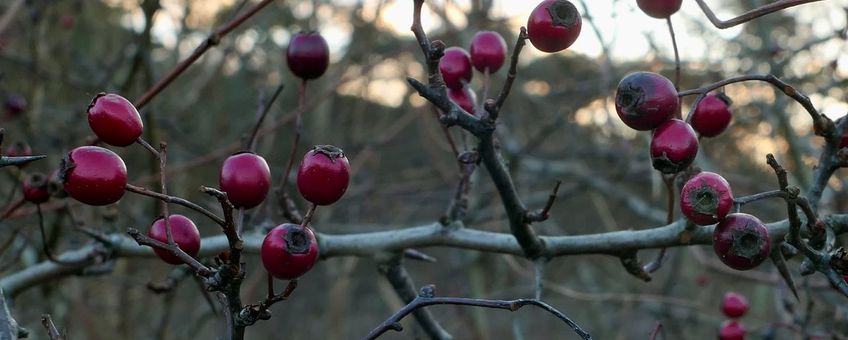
394	272
426	297
252	313
749	15
145	240
19	160
175	200
52	332
494	110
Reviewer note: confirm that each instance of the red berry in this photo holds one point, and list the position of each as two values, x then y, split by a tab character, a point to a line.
706	198
731	330
741	241
674	146
184	233
67	21
35	189
659	9
644	100
15	105
18	149
246	179
734	305
289	251
488	51
323	175
554	25
844	141
712	116
114	119
308	55
455	67
463	97
94	175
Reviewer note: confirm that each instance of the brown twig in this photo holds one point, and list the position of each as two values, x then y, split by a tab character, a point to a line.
175	200
544	213
495	109
658	327
749	15
144	240
252	313
52	332
251	141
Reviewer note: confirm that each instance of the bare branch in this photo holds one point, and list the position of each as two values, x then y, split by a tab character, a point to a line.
52	332
749	15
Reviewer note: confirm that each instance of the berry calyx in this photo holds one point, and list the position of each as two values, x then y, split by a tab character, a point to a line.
93	175
734	305
289	251
455	67
488	51
246	179
731	330
659	9
323	175
463	97
184	233
35	189
308	55
114	119
712	116
706	198
674	146
741	241
553	25
644	100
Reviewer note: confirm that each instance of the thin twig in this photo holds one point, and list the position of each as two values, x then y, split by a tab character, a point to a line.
544	213
52	332
145	240
749	15
176	200
298	128
251	141
495	109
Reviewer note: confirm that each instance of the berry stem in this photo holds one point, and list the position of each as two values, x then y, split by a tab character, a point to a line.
308	217
239	221
487	80
148	147
676	64
301	100
163	160
657	263
251	141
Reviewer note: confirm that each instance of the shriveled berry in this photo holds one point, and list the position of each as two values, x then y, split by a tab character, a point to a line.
246	179
323	175
644	100
184	233
463	97
93	175
289	251
712	116
455	67
659	9
554	25
674	146
308	55
706	198
741	241
114	119
488	51
35	188
15	105
731	330
734	305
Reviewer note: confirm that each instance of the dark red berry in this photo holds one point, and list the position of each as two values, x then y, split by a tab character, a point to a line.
674	146
741	241
246	179
706	198
712	116
488	51
455	67
184	233
67	21
844	141
644	100
659	9
323	175
554	25
308	55
18	149
731	330
734	305
114	119
464	97
35	189
289	251
94	175
15	105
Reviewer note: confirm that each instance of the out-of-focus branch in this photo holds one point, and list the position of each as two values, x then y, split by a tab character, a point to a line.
749	15
401	281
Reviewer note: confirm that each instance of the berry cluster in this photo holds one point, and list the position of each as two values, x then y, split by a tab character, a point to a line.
734	306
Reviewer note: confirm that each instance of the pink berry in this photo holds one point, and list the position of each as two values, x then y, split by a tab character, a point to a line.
94	175
731	330
659	9
289	251
184	233
246	179
554	25
323	175
455	67
114	119
644	100
712	116
674	146
741	241
464	97
488	51
706	198
734	305
308	55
